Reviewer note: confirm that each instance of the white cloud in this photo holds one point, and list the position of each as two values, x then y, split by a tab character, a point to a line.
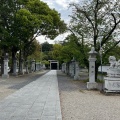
50	3
42	39
62	7
65	3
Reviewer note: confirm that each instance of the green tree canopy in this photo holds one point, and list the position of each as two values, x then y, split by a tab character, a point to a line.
96	23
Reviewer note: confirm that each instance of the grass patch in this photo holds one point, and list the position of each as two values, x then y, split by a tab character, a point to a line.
100	81
103	73
81	91
87	80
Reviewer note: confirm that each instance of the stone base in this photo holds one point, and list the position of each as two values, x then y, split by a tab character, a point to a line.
112	84
14	74
76	77
21	73
91	86
27	72
72	75
5	76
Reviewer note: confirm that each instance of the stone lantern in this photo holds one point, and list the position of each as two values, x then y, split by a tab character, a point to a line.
5	72
92	58
27	71
33	65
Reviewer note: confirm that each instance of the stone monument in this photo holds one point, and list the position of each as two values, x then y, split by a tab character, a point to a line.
5	72
27	70
77	71
73	67
70	69
64	67
112	80
92	58
33	65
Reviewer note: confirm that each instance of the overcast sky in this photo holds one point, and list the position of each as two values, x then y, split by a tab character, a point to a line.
62	7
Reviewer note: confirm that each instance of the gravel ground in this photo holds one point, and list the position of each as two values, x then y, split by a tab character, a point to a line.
12	84
78	103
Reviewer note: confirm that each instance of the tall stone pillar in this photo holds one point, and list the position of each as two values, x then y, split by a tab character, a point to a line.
57	65
33	65
14	67
77	71
5	72
64	67
21	72
27	71
92	58
70	69
73	67
50	65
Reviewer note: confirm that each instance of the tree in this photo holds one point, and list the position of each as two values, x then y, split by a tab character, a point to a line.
46	47
33	51
79	49
51	24
7	11
97	20
22	21
56	52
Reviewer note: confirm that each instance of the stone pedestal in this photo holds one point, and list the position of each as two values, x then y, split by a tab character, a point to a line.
15	67
91	85
33	66
5	74
92	58
112	84
112	81
27	71
77	71
73	67
70	69
64	67
21	71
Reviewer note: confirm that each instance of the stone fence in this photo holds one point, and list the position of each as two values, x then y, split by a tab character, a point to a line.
25	67
72	69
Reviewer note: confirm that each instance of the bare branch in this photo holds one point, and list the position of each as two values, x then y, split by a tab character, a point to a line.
107	51
111	31
86	15
31	40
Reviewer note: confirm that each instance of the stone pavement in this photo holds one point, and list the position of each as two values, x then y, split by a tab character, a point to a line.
39	100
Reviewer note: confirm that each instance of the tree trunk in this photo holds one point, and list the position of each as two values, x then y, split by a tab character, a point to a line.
13	58
20	57
96	70
2	64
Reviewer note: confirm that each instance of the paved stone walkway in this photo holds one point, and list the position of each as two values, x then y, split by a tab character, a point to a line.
38	100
